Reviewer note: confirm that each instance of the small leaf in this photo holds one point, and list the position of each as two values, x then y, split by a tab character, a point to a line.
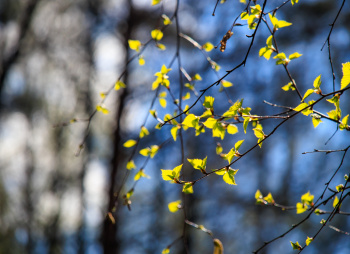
187	188
308	93
134	45
144	132
157	34
229	176
258	195
167	174
316	121
198	163
238	144
232	129
166	250
173	132
130	143
208	47
167	20
307	198
161	46
269	199
141	61
119	84
345	80
335	202
296	246
288	87
294	1
308	241
197	77
162	102
226	83
130	165
174	206
208	102
154	2
301	208
190	121
218	149
102	109
317	82
295	55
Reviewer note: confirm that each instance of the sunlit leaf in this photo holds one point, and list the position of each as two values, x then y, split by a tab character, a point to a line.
187	188
190	121
344	123
296	246
308	241
232	129
162	102
102	109
294	1
288	87
174	206
166	251
226	83
317	82
135	45
130	165
345	80
208	46
197	77
161	46
208	102
229	176
130	143
119	84
143	132
335	202
173	132
269	199
294	55
308	93
166	19
157	34
301	208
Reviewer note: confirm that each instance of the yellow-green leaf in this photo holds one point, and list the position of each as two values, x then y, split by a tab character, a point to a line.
296	246
162	102
135	45
269	199
197	77
208	102
308	241
102	109
130	165
232	129
307	93
301	208
140	174
174	206
336	201
173	132
166	251
288	87
187	188
130	143
119	84
208	47
167	20
344	123
154	2
294	1
295	55
161	46
258	194
103	95
167	174
229	176
144	132
316	121
317	82
141	60
157	34
345	80
226	83
198	163
190	121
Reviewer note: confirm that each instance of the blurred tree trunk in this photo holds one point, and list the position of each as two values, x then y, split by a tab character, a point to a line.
109	234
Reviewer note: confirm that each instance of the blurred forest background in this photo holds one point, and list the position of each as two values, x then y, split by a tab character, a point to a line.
56	56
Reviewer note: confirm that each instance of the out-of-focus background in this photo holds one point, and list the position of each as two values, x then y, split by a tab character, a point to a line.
55	59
